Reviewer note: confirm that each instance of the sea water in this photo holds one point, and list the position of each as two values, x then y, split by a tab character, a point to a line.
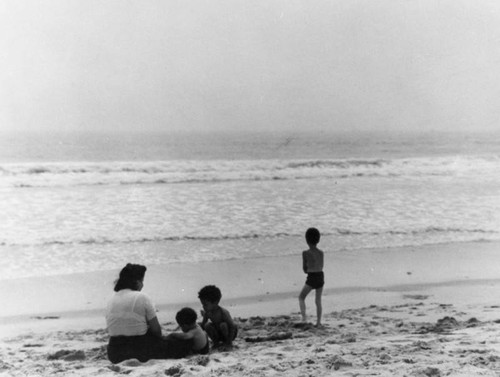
80	202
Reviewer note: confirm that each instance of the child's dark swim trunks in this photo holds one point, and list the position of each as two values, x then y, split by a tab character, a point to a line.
315	280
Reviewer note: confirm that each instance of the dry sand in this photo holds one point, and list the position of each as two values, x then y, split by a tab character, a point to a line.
428	311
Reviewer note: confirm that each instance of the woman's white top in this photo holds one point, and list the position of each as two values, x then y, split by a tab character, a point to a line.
127	313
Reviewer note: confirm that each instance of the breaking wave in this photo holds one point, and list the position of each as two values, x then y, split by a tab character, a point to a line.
333	232
219	171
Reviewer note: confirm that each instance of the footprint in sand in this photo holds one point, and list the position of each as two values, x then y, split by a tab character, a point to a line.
67	355
416	297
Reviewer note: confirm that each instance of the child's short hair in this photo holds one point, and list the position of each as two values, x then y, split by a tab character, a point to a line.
186	316
312	236
210	293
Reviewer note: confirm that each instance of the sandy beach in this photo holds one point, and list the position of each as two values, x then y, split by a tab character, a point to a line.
426	311
203	139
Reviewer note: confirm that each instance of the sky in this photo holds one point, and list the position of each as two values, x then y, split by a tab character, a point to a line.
281	65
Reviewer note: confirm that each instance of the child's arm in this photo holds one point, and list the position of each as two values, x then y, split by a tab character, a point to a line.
304	262
205	318
182	335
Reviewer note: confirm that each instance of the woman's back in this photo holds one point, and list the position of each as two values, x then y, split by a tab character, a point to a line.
128	312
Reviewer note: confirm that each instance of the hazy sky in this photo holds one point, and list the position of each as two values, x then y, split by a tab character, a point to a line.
249	64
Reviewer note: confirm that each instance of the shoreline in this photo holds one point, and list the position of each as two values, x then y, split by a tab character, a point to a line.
268	285
435	332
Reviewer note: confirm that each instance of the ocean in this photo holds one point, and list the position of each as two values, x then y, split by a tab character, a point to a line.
79	202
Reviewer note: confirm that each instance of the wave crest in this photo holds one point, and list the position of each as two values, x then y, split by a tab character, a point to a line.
186	171
337	232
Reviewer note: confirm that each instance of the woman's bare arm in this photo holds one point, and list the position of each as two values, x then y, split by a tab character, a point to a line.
154	327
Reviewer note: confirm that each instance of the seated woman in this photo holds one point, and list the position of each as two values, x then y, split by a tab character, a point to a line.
132	323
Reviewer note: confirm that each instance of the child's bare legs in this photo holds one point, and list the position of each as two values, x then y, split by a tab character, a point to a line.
212	332
219	333
226	336
302	301
319	307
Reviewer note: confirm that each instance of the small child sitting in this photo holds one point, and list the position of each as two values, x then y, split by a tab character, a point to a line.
221	327
191	332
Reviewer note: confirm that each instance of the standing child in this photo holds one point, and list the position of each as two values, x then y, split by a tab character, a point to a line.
221	327
312	264
191	332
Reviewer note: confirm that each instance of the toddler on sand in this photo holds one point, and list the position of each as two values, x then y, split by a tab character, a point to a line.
191	332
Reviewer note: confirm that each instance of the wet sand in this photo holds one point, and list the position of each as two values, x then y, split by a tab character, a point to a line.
427	311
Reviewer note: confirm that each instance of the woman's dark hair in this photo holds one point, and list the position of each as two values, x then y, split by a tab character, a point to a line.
210	293
312	236
186	316
129	276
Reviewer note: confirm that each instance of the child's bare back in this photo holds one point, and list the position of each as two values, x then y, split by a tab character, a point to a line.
218	315
199	338
313	260
192	334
